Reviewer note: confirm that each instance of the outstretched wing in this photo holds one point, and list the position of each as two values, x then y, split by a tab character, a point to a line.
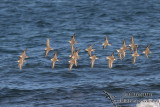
106	39
132	40
24	52
53	63
55	55
124	43
47	44
134	60
120	55
147	48
70	66
146	54
90	47
110	97
46	53
92	63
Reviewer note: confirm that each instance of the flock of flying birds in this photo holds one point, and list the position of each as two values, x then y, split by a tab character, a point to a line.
74	53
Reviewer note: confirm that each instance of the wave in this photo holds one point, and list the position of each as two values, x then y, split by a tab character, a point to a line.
149	103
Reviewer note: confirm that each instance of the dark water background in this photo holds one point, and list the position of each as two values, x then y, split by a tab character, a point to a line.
28	24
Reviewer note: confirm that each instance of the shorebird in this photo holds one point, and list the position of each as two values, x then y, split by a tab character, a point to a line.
54	59
124	48
21	60
20	64
132	45
120	52
89	49
110	60
23	55
147	51
75	56
48	48
72	41
93	58
110	97
72	62
106	43
135	54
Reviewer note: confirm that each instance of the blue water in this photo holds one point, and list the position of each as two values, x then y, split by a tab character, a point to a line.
28	24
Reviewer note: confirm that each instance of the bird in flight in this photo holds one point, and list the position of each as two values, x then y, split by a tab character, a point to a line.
72	41
93	58
132	45
89	49
72	62
110	60
106	43
20	64
124	48
110	97
23	55
147	51
135	54
48	48
54	59
120	52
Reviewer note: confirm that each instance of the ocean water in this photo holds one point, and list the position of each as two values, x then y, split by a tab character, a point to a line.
28	24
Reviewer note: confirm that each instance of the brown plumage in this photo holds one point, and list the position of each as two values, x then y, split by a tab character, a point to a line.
89	49
93	58
110	60
73	41
23	55
147	51
124	48
72	62
20	64
106	43
54	59
75	56
132	45
135	54
21	60
120	52
48	48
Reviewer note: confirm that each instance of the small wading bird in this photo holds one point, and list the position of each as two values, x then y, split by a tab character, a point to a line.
54	59
132	45
23	55
120	52
135	54
89	49
124	48
110	97
106	43
73	41
93	58
147	51
72	62
48	48
20	64
110	60
75	56
21	60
